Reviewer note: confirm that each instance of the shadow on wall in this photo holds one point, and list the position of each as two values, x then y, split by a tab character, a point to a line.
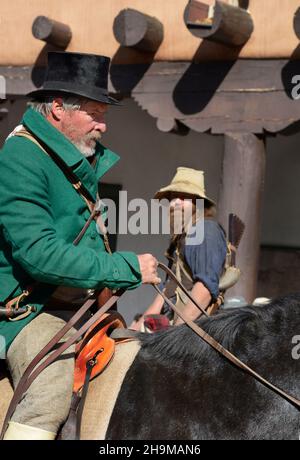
39	67
290	77
289	73
124	78
198	85
279	271
201	80
291	69
139	36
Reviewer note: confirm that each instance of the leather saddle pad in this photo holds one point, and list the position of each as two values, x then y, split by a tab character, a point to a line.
96	345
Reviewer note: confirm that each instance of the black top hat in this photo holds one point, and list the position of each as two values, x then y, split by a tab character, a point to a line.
77	74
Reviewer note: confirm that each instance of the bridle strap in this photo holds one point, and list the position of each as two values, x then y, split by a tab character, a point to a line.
216	345
171	275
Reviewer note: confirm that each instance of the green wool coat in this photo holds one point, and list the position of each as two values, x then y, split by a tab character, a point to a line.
40	216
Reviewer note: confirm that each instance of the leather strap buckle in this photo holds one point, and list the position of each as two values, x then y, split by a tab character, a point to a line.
14	311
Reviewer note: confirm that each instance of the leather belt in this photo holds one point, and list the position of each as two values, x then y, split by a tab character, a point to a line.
55	304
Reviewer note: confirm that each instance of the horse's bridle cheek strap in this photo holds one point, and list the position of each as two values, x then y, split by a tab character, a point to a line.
216	345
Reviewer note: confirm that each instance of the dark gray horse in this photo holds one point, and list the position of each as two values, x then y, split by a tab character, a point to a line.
177	387
180	388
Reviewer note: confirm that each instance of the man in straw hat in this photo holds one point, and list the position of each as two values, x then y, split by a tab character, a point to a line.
41	215
198	264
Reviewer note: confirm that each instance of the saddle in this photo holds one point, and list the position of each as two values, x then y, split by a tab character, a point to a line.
92	355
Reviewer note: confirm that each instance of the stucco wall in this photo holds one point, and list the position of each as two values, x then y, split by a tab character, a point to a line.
91	22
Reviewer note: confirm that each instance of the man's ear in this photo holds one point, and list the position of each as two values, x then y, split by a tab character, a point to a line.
57	108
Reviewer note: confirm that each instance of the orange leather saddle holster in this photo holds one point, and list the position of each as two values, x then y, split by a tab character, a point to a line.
96	344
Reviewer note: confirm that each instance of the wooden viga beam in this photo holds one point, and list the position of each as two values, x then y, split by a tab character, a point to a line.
51	31
3	113
223	23
138	30
170	125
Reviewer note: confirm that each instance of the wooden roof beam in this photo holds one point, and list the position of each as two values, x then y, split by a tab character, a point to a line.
138	30
51	31
170	125
223	23
3	111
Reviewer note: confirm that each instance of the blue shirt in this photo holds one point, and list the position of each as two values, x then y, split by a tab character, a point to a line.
206	260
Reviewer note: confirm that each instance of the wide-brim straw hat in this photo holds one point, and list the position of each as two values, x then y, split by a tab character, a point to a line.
186	180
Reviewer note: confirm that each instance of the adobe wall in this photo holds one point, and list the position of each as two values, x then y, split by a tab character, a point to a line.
91	22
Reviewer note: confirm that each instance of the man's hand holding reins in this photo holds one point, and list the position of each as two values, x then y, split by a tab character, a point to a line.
148	267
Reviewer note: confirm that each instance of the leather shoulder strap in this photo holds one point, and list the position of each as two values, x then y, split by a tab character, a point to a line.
71	176
76	183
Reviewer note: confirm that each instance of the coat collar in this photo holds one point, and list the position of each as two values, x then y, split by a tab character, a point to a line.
67	151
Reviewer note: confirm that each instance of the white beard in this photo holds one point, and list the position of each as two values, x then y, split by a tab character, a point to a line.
82	144
87	151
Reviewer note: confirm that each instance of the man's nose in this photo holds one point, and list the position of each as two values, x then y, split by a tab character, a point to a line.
176	202
100	126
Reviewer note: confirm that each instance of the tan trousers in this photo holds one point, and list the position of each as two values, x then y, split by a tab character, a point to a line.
46	403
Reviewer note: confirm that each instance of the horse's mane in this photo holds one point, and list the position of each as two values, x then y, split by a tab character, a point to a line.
237	329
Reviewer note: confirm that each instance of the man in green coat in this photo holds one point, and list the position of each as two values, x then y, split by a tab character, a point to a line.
41	214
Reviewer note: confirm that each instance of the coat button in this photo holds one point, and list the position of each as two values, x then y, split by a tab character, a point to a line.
93	235
116	274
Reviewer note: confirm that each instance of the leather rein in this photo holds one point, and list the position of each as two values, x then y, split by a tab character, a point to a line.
216	345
